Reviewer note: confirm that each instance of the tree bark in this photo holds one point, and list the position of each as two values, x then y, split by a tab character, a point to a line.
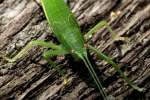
30	78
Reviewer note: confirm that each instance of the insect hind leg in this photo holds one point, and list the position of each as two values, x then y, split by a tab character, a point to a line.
25	50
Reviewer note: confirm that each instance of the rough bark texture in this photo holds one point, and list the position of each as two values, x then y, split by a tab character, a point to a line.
30	78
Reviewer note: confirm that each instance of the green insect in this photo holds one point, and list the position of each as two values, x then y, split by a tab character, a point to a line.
67	31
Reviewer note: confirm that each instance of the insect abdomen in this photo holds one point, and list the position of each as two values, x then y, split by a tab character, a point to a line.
64	25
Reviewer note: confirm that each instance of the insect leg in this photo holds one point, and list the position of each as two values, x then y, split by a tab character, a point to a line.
111	62
57	52
28	47
51	53
100	25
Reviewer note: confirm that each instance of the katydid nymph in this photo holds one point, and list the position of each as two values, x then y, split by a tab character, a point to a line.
67	31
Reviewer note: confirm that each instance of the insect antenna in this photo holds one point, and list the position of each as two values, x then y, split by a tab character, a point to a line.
94	76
